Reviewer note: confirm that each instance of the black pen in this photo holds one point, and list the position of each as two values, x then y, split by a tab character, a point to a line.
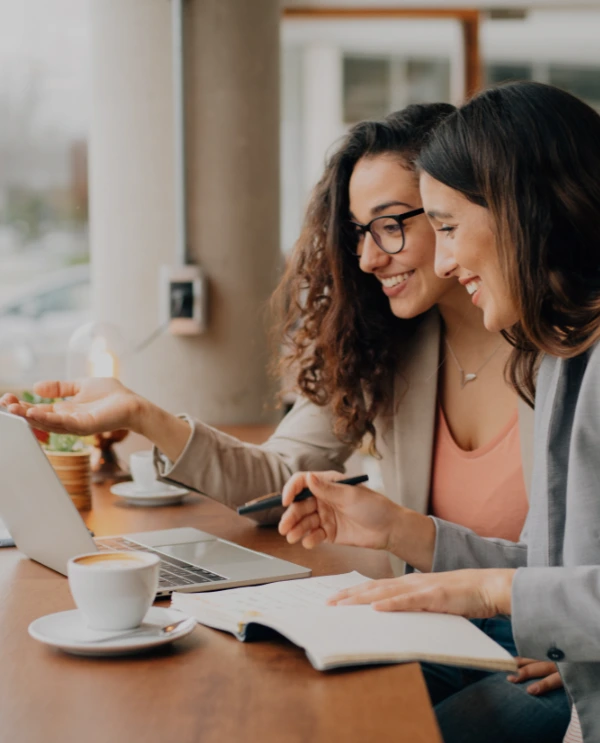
275	500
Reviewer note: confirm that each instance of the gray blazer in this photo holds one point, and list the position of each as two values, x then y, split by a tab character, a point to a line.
556	591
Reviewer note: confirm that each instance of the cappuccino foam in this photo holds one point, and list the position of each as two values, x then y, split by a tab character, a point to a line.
111	561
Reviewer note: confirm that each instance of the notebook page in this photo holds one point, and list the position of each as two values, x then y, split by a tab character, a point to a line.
283	596
339	635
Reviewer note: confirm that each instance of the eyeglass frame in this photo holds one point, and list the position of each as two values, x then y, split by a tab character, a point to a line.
400	218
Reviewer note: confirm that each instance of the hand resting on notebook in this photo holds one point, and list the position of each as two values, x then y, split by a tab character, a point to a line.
357	516
473	593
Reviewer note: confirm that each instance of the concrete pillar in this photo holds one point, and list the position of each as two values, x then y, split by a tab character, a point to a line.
232	91
293	192
322	107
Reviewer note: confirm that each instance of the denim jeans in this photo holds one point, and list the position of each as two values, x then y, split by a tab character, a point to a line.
482	707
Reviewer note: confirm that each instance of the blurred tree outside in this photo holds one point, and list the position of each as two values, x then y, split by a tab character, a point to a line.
43	178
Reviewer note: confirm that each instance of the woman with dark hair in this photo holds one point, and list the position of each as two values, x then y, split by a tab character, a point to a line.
510	184
381	347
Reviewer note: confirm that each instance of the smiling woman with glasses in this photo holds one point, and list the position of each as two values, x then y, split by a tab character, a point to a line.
380	349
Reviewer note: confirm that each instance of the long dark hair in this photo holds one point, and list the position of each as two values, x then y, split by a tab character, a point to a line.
340	338
531	154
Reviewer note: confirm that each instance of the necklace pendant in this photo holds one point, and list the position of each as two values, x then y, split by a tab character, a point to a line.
466	378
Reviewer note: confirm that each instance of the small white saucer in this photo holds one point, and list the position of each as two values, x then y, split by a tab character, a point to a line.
67	630
162	495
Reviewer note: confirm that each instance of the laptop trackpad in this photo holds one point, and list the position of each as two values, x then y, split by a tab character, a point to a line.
214	555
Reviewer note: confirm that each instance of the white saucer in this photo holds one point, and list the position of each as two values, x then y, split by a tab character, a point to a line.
161	495
67	630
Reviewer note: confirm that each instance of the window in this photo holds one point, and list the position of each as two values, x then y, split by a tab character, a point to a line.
507	72
70	299
375	86
366	88
44	85
584	82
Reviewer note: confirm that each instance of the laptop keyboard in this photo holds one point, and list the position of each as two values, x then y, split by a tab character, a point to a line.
173	572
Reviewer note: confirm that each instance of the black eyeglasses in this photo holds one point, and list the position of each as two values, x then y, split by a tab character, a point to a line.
386	231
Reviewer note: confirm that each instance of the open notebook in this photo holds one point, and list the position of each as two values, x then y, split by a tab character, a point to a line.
335	636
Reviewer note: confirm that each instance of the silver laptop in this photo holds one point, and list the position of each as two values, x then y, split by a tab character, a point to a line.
46	526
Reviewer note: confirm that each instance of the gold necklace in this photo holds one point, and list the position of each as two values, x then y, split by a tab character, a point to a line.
466	377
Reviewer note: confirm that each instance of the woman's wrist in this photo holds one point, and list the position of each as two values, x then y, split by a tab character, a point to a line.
412	539
142	417
166	431
500	589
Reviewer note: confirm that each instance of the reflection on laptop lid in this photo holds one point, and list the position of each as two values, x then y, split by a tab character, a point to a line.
47	527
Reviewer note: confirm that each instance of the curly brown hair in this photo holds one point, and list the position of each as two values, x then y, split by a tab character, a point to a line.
341	340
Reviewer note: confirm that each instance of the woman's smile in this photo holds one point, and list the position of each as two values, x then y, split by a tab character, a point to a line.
394	284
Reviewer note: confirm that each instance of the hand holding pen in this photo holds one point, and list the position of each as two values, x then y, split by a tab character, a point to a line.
275	501
337	513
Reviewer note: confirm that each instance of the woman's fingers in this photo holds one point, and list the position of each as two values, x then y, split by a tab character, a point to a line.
292	487
303	528
545	671
422	600
12	404
55	388
521	662
42	408
543	686
56	422
18	409
295	513
365	593
314	538
531	669
301	480
29	411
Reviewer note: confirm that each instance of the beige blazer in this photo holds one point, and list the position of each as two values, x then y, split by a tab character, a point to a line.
233	472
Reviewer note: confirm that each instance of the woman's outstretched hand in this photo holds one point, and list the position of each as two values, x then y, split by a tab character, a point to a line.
470	593
95	405
339	514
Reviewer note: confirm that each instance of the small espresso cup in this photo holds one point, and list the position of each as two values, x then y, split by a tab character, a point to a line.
113	590
141	466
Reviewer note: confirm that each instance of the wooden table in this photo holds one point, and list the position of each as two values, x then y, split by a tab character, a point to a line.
205	688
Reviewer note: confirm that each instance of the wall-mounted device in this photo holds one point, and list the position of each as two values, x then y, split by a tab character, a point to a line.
183	286
183	291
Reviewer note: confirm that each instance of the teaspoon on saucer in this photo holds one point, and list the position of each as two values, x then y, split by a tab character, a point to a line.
148	631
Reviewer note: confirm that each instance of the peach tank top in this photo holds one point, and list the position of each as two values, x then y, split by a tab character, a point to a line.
483	489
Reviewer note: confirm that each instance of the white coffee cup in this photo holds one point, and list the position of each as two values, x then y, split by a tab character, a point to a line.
114	590
141	466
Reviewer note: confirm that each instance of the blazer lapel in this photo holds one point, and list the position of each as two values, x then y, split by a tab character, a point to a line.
567	384
415	396
538	521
